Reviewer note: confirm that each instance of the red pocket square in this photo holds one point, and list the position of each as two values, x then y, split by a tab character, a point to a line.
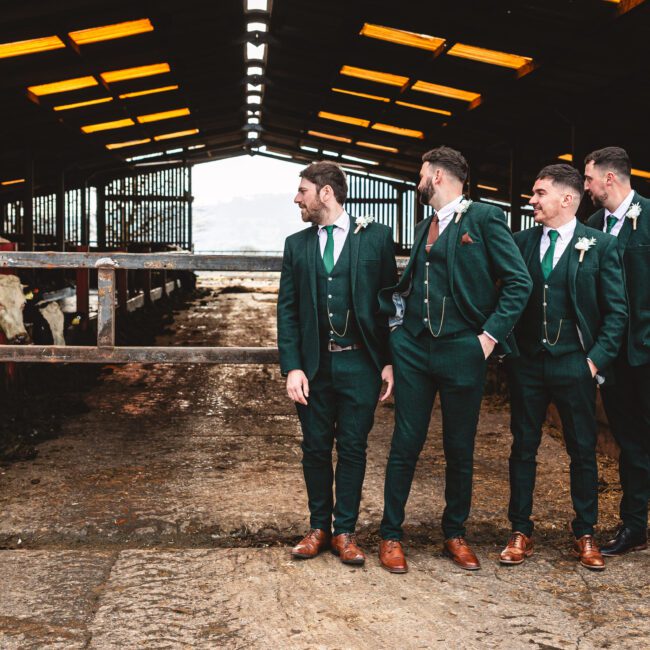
466	239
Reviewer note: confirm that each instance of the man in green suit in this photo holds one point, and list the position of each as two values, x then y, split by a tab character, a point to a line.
447	314
569	333
334	350
626	214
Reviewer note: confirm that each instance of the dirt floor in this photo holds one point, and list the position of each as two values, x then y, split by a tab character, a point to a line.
162	513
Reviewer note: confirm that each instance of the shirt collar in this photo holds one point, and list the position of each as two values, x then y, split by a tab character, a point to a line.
619	213
448	210
566	231
343	222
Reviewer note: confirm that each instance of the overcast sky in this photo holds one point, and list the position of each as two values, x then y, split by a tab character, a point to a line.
245	203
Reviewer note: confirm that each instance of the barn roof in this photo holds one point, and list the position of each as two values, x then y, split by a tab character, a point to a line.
368	83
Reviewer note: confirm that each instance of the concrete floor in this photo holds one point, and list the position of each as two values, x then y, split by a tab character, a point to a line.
162	518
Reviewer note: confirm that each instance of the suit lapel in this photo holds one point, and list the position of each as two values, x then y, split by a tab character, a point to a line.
454	229
355	243
574	261
312	251
414	250
532	247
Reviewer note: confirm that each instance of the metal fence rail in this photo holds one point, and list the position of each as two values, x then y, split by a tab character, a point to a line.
106	351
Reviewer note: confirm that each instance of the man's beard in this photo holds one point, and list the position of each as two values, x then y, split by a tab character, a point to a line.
315	215
599	201
427	193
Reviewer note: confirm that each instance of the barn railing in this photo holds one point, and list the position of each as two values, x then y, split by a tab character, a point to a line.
106	351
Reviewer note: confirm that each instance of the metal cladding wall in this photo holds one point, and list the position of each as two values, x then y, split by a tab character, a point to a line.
390	202
152	208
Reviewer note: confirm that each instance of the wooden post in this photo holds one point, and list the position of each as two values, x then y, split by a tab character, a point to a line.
83	290
28	208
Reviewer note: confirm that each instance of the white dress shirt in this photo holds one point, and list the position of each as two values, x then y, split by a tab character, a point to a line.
340	232
446	213
565	236
619	213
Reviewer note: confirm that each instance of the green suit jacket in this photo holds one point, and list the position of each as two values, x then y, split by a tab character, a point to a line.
373	266
634	248
596	289
488	278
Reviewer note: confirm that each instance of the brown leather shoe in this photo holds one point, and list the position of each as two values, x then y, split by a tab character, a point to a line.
587	552
391	556
457	549
315	541
518	548
345	546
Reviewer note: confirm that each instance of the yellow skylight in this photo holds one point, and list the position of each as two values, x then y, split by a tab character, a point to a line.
32	46
150	91
641	173
135	73
63	86
379	147
487	187
357	121
177	134
402	37
445	91
364	95
419	107
374	75
90	102
398	130
329	136
493	57
129	143
105	126
108	32
13	182
164	115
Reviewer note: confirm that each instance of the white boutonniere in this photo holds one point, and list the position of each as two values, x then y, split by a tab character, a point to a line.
462	208
583	245
363	222
633	213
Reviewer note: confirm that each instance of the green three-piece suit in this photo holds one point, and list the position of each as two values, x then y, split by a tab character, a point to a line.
577	312
627	397
472	280
316	310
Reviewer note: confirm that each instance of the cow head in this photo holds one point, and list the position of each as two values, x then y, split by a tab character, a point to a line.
12	303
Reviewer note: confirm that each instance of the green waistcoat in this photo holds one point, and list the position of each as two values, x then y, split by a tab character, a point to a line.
336	318
560	335
430	305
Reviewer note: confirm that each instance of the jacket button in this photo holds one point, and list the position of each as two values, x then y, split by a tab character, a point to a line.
426	264
425	319
329	295
329	279
331	314
543	340
426	300
331	333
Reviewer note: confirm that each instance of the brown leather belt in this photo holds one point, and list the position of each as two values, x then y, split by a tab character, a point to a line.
335	347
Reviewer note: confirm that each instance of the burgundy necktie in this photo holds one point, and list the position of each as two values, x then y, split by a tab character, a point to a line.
434	232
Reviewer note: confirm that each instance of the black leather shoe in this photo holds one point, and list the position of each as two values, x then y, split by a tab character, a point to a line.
625	542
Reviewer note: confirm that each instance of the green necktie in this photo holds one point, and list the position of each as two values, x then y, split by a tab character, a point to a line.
547	260
611	222
328	253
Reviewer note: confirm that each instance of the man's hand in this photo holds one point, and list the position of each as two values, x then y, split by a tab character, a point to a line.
387	378
298	386
592	367
487	344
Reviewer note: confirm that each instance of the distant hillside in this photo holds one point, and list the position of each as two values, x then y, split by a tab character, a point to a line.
258	224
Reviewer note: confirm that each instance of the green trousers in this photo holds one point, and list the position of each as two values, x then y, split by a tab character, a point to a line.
341	409
534	383
453	366
627	404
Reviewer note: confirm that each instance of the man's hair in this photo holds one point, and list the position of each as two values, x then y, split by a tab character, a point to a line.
450	160
327	173
564	175
613	158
